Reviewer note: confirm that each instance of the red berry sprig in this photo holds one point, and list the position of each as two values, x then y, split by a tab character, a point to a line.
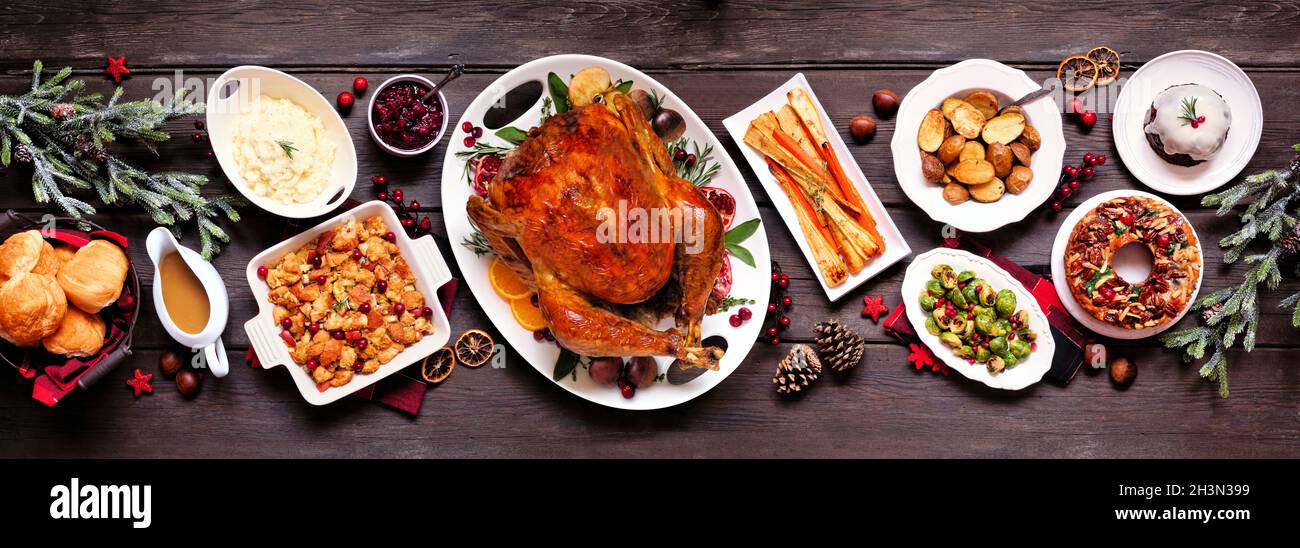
1073	178
776	320
414	222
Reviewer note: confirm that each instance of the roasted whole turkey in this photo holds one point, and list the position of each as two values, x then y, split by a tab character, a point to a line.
546	215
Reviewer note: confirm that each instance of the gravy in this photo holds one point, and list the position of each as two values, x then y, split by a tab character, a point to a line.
183	294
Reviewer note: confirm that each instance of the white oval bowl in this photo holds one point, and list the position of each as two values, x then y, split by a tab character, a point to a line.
370	116
748	282
958	80
1024	373
223	113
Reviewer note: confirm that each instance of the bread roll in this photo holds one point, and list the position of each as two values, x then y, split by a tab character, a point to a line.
79	334
48	262
31	308
21	252
93	278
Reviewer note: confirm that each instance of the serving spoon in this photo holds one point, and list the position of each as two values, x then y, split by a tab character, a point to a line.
455	72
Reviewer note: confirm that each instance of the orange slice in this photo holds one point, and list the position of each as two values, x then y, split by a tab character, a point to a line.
506	283
1077	73
528	315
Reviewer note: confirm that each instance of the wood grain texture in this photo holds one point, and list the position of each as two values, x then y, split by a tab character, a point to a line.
718	57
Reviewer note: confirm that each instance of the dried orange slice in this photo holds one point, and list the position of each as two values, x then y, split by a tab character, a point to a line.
506	283
438	366
1107	61
1077	73
474	347
527	314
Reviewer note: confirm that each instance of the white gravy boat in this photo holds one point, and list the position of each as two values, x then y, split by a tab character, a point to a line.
208	341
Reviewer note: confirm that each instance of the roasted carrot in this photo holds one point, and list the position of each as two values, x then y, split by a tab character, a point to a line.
827	257
814	166
796	196
851	193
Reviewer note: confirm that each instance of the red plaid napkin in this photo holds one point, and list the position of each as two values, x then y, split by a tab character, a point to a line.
1069	335
402	391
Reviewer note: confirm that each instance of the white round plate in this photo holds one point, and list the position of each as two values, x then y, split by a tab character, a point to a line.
958	80
1024	373
1063	289
749	282
1187	67
223	113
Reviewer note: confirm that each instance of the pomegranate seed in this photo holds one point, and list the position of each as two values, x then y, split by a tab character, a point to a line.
262	271
1033	346
1011	336
466	126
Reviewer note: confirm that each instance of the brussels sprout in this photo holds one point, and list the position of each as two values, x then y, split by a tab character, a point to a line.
958	300
1001	327
934	287
927	302
998	345
981	309
1005	303
1019	348
937	271
940	317
967	330
971	295
932	326
1027	334
950	340
964	351
957	324
987	296
984	321
1010	359
1021	317
982	354
949	279
995	364
965	276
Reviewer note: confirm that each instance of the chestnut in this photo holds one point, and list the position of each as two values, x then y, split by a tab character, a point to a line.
668	124
885	102
642	371
188	382
643	101
1123	372
170	363
605	370
862	128
1094	354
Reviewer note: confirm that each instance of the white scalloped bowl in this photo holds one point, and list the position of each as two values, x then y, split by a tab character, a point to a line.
957	80
1024	373
224	112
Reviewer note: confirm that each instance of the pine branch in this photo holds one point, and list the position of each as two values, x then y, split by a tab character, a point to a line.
1233	312
63	133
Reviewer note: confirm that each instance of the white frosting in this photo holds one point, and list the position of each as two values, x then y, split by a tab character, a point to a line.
1180	137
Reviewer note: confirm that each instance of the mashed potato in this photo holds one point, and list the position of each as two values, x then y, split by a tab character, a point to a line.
282	151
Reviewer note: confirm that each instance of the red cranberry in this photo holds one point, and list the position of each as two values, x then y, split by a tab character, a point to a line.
539	336
313	328
1126	217
1074	185
312	364
426	312
466	126
198	137
771	307
397	195
262	271
734	320
1065	191
286	323
628	391
477	133
199	124
210	154
1162	240
469	142
382	196
787	301
408	222
691	160
338	335
1088	118
1070	171
679	156
775	341
359	84
415	205
356	254
1101	159
346	99
317	261
356	367
382	286
425	224
1076	105
390	236
744	313
1106	292
1056	206
379	180
364	308
785	321
362	344
1089	158
776	276
399	308
771	331
320	279
1088	172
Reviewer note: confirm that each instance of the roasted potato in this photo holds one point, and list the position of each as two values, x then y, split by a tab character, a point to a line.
1013	108
951	149
1019	179
949	105
1000	156
972	172
932	130
1021	152
1031	138
985	102
955	193
991	191
972	150
931	168
587	84
1004	128
966	120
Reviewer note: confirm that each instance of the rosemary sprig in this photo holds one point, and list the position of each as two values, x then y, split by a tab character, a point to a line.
1189	111
476	151
477	243
705	167
287	147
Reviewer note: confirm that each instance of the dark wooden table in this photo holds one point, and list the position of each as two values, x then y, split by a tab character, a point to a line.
719	57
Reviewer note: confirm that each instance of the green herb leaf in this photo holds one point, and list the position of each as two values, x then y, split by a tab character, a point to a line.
512	134
565	365
741	253
742	231
728	302
287	147
624	87
559	92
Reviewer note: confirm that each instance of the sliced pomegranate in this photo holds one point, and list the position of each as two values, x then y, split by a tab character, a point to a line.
484	168
722	201
722	286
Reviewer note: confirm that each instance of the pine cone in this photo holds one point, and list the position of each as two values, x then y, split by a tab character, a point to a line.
1290	243
1209	312
798	370
23	154
62	111
839	347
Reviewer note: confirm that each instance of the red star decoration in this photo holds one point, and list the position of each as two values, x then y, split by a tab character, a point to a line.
117	68
922	357
875	306
140	384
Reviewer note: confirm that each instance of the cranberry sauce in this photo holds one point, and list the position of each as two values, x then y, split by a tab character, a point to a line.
402	120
